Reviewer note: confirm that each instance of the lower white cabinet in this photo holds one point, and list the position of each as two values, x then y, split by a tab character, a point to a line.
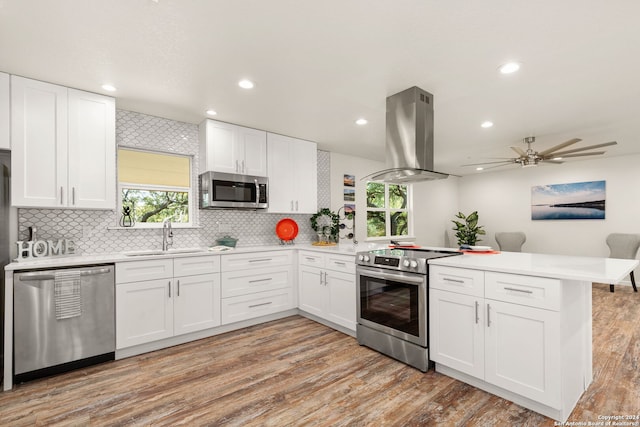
508	332
256	284
327	287
166	306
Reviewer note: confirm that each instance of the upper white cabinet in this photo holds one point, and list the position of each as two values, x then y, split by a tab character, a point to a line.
225	147
5	141
63	147
293	174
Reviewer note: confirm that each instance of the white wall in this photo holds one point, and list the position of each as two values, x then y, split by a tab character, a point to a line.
503	201
342	164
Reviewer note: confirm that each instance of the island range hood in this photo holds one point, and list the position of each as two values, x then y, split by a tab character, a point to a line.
409	147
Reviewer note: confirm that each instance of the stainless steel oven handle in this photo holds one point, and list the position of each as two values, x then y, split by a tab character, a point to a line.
395	277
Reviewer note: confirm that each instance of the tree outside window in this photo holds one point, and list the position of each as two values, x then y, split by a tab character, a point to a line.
155	186
387	210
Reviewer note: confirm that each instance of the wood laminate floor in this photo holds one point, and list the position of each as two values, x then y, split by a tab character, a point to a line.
297	372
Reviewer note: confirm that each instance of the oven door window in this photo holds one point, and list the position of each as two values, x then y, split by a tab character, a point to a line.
228	191
390	303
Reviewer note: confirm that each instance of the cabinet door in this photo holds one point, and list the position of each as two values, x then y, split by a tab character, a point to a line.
456	331
196	303
312	291
305	179
254	158
281	182
341	306
5	103
144	312
522	351
219	150
39	143
92	151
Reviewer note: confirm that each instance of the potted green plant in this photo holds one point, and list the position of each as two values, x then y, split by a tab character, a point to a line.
467	230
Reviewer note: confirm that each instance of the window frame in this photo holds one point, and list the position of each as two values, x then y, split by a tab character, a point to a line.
151	187
387	210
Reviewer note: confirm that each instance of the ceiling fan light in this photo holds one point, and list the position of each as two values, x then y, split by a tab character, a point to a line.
557	158
480	169
487	124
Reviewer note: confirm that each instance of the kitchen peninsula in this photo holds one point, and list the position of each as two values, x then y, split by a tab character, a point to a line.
518	325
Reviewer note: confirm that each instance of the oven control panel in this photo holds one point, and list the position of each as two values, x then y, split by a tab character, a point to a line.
393	261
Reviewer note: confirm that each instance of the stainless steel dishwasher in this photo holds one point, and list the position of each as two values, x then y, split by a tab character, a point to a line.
63	319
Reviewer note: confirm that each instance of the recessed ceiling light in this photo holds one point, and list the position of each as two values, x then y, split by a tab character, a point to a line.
109	88
479	169
509	67
211	112
245	84
361	122
486	124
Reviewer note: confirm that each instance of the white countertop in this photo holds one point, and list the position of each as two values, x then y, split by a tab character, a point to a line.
69	261
591	269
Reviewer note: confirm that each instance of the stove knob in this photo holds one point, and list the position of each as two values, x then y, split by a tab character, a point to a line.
360	257
366	258
413	263
405	263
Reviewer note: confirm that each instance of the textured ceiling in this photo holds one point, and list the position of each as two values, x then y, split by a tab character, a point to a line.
320	65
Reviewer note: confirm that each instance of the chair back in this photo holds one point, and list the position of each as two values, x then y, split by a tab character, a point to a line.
510	241
624	246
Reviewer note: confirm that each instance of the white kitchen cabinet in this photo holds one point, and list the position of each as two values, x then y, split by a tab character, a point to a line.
509	333
162	298
5	115
293	174
327	287
256	284
225	147
63	147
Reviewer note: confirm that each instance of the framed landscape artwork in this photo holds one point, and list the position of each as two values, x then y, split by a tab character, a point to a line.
578	200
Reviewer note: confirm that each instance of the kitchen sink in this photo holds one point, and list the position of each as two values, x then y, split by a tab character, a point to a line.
167	252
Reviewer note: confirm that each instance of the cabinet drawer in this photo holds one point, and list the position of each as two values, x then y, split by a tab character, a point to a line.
192	266
344	263
246	307
238	262
531	291
249	282
136	271
312	259
460	280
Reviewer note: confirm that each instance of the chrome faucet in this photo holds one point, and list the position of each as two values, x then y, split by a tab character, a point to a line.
167	234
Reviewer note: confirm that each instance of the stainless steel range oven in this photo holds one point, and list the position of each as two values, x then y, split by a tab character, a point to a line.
393	302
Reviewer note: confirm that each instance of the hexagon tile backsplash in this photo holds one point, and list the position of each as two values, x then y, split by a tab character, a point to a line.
97	232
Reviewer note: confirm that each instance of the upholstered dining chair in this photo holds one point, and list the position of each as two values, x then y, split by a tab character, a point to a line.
510	241
624	246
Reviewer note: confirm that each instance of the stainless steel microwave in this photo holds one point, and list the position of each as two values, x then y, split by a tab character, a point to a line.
228	190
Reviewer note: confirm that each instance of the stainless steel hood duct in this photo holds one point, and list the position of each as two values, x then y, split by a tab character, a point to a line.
409	148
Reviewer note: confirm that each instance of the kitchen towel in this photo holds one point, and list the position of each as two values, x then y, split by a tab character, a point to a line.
67	296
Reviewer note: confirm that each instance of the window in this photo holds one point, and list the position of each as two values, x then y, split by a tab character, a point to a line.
155	186
388	207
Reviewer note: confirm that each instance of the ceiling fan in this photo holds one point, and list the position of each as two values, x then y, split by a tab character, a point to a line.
551	155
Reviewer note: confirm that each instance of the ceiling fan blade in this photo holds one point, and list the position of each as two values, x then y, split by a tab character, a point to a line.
559	146
499	166
519	150
595	153
490	163
555	162
576	150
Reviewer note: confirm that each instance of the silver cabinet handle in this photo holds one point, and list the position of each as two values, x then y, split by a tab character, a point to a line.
169	285
477	314
268	279
488	315
447	279
243	167
178	293
524	291
339	263
73	195
292	205
296	206
308	258
260	260
258	305
61	197
237	166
